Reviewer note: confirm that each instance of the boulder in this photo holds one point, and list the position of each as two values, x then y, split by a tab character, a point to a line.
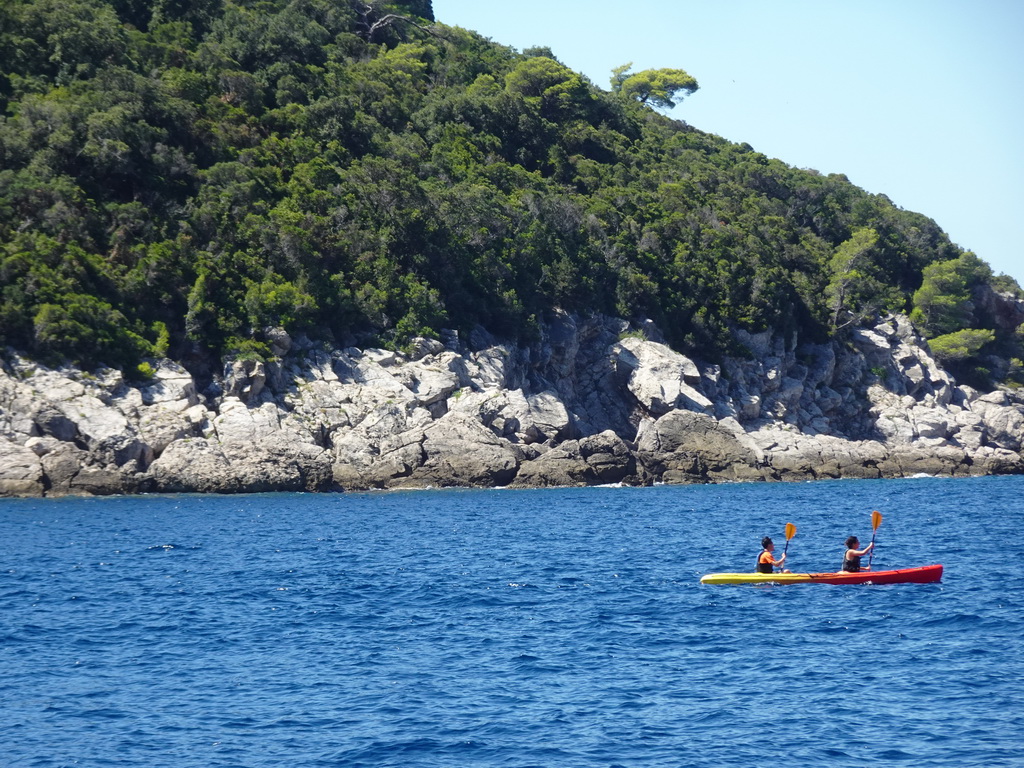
21	473
794	455
94	480
197	465
460	451
158	427
51	421
930	423
171	386
194	465
911	460
609	457
1005	309
987	460
694	447
244	379
598	459
420	347
537	418
563	466
240	423
61	464
385	444
658	377
431	380
93	418
358	464
1003	422
278	340
491	368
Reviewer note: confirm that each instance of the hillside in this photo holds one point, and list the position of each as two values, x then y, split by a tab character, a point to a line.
180	179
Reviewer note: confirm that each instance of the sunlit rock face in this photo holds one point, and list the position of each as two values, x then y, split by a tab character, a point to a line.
592	401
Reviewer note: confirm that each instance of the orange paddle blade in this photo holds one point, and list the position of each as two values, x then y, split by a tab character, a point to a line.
790	531
876	520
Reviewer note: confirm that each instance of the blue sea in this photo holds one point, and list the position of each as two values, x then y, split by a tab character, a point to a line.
521	628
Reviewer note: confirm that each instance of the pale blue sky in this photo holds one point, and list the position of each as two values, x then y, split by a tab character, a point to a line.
921	100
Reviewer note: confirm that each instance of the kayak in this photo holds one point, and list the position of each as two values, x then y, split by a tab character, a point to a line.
924	574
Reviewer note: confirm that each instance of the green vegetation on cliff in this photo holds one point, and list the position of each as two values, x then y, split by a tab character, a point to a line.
178	176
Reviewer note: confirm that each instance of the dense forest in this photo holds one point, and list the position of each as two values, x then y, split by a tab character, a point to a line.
177	177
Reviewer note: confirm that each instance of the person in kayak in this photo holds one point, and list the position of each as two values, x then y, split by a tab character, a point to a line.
851	559
766	561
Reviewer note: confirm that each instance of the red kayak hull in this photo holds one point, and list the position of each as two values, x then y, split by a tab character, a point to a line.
925	574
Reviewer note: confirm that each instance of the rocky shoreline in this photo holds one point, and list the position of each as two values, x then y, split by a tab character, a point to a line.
592	402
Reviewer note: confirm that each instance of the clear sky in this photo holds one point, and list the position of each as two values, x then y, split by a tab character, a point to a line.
920	100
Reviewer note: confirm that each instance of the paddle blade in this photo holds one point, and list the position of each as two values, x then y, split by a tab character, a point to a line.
876	520
790	533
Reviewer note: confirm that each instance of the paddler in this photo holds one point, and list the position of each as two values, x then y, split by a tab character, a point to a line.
852	556
766	561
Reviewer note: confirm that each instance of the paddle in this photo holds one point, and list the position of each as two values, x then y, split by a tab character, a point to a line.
876	520
790	533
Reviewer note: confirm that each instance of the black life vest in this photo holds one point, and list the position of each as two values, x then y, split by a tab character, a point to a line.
763	567
851	563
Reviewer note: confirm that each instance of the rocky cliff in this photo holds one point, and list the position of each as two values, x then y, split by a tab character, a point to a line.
590	403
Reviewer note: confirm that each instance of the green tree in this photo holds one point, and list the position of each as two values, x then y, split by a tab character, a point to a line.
960	345
943	302
191	171
88	331
663	88
554	88
62	40
854	292
276	302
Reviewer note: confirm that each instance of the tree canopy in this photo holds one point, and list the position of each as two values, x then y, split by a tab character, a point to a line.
657	87
181	178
